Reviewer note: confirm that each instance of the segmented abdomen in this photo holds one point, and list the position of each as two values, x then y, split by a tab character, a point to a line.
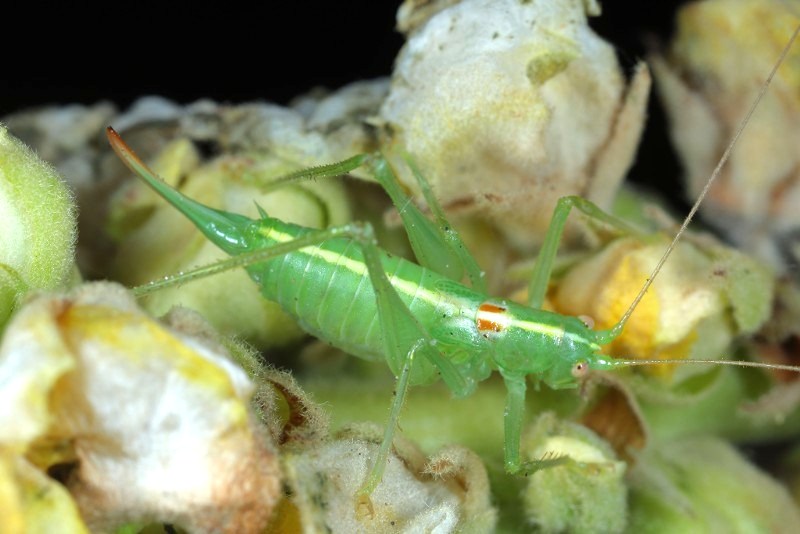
328	290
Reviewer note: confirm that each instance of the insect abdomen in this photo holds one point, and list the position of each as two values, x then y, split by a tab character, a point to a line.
328	290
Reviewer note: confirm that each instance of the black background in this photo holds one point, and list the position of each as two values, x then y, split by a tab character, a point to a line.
232	52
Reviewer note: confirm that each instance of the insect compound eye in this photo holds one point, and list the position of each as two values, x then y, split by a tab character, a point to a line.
580	369
587	320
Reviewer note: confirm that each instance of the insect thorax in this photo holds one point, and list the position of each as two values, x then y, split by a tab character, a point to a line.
528	341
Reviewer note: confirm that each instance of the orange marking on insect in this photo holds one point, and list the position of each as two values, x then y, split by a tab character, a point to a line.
488	307
491	318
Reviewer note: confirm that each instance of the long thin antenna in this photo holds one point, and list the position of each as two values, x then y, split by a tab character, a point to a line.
735	363
617	329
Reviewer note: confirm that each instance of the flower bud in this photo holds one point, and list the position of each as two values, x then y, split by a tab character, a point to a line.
582	488
703	484
38	225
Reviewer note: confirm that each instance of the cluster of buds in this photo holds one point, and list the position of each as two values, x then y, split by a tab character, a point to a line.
111	419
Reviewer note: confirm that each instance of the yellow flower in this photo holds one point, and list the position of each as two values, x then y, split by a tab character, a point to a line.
704	288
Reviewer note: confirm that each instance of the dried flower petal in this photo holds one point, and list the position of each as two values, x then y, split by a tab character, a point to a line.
157	421
715	67
507	106
324	480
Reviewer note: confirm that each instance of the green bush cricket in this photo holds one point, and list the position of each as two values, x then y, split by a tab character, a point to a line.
420	319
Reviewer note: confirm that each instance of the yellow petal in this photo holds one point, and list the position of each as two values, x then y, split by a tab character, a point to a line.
32	502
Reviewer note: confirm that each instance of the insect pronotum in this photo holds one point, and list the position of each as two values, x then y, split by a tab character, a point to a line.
423	322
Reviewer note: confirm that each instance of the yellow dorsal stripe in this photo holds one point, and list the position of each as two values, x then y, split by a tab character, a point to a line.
413	290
